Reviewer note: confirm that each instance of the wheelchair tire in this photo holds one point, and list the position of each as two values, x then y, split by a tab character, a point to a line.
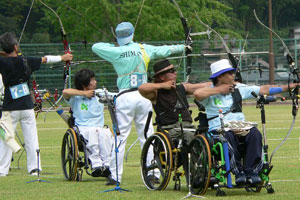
161	164
200	165
69	155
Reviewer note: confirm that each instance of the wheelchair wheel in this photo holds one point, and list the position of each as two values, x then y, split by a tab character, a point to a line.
156	170
69	155
200	165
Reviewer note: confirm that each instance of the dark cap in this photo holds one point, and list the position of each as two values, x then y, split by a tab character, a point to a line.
161	66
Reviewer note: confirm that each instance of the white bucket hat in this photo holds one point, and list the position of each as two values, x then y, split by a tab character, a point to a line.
220	67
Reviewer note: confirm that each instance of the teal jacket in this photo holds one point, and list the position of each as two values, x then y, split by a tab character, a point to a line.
128	60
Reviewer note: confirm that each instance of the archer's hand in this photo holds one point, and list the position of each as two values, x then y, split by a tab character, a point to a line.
188	48
89	93
168	85
226	88
67	57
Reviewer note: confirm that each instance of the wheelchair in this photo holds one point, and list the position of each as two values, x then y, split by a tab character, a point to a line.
219	175
74	155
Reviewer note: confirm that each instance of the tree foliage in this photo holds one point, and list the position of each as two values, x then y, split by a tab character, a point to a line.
95	20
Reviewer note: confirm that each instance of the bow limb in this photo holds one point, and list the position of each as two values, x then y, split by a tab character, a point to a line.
188	40
291	62
293	94
66	47
233	61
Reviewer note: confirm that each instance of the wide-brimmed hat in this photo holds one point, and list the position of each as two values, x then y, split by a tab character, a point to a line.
162	66
124	32
220	67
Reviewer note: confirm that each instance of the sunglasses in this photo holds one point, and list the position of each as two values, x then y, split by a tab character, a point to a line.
172	71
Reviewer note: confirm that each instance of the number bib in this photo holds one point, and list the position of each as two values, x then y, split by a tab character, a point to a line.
137	79
20	90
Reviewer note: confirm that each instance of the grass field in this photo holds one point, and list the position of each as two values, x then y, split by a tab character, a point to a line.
285	176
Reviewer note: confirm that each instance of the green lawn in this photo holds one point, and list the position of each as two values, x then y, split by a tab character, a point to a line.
285	176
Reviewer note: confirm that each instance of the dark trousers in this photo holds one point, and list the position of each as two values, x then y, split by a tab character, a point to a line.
248	147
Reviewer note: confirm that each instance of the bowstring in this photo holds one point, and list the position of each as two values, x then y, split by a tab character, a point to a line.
27	17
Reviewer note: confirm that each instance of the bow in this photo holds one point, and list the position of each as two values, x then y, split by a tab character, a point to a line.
234	63
66	48
293	93
188	40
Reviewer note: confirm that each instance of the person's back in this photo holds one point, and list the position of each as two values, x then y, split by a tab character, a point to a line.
130	61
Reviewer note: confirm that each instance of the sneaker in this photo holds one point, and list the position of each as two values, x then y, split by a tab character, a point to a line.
240	178
34	172
111	181
105	171
2	175
253	178
96	172
153	179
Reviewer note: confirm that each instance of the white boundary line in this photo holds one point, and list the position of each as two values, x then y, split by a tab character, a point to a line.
295	180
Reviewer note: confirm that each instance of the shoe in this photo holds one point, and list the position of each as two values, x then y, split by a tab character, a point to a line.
253	179
240	178
153	179
111	181
2	175
34	172
96	172
105	171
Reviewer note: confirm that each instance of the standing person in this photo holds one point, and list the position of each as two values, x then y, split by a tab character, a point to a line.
89	117
130	61
16	71
226	94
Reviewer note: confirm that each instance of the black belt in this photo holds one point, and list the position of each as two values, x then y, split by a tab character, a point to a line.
125	91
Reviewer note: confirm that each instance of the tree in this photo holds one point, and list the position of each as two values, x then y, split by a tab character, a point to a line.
158	21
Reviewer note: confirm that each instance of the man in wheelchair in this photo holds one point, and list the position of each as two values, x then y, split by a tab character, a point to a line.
225	95
89	118
170	103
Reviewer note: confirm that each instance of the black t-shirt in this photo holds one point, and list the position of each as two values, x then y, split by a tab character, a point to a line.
13	73
171	103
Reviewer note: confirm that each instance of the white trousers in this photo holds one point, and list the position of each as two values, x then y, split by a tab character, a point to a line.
5	151
99	145
28	125
131	106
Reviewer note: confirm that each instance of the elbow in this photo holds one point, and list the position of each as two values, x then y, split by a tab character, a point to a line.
65	93
94	47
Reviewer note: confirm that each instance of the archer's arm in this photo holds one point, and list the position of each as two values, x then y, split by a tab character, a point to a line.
54	59
191	88
149	90
203	93
274	89
67	93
